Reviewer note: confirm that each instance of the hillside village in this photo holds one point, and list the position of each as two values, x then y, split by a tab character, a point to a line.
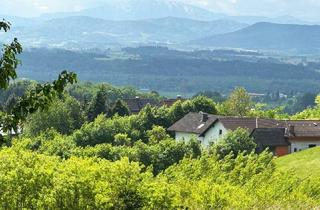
282	137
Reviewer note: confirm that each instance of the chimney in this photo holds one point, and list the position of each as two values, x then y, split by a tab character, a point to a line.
204	117
257	123
291	130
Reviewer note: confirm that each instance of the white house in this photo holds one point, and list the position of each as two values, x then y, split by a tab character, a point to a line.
282	137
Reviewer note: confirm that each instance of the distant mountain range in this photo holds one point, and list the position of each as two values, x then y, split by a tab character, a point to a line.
90	32
120	23
268	36
141	9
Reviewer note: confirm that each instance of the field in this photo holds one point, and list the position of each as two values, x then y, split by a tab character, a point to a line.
303	164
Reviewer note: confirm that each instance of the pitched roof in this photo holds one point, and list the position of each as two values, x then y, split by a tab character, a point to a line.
136	104
303	128
192	123
232	123
170	102
270	137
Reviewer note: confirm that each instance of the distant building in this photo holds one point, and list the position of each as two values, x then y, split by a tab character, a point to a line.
281	137
170	102
135	105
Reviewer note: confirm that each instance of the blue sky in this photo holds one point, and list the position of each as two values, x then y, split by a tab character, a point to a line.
303	9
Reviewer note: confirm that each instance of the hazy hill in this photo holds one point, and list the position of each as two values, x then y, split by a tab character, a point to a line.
89	32
268	36
141	9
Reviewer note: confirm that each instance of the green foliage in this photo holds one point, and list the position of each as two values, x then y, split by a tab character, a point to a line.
260	111
308	114
303	164
37	98
122	139
35	181
236	142
119	108
215	96
303	101
64	115
238	104
157	134
9	61
98	104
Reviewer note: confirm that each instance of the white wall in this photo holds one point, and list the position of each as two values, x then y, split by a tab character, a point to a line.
211	136
186	137
302	145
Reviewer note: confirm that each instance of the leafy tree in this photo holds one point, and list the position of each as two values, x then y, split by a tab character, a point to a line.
157	134
238	104
64	115
236	142
204	104
37	98
119	108
8	59
122	139
98	104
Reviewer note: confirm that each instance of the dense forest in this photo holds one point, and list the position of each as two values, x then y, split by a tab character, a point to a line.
171	71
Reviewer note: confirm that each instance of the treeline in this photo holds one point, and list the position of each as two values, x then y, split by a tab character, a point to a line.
173	71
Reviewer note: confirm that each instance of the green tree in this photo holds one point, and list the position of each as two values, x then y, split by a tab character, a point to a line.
204	104
63	115
122	139
98	104
238	104
37	98
157	134
119	108
236	142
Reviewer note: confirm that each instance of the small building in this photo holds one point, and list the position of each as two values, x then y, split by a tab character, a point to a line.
303	134
169	102
281	137
135	105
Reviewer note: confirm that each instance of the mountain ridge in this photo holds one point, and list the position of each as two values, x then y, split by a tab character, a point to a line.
267	36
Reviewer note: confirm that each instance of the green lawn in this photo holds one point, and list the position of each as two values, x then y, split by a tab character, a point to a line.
305	163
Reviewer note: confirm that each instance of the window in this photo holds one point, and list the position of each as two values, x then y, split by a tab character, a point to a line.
295	150
220	132
312	145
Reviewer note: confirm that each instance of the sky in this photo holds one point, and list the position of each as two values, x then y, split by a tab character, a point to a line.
303	9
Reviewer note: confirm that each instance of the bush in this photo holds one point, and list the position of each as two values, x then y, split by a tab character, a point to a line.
234	142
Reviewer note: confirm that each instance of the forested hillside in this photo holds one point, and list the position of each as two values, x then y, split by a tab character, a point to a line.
174	71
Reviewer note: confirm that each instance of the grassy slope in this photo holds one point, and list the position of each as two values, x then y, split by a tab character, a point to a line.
304	163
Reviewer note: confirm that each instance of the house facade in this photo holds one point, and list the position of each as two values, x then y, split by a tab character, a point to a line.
281	137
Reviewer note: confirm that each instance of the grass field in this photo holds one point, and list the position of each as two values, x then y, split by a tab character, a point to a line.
305	163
